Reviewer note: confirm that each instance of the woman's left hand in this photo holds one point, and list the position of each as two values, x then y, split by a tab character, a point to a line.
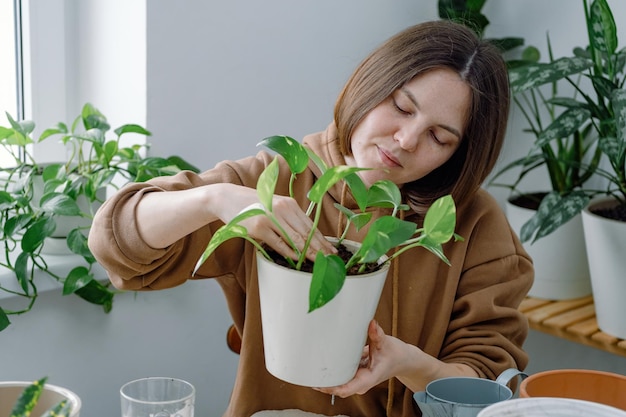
387	357
379	362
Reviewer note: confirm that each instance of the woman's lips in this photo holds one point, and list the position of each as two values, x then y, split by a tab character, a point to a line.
388	159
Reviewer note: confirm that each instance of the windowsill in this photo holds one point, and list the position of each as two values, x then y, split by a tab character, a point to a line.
573	320
58	264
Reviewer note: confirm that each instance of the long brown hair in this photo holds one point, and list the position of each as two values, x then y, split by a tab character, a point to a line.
414	51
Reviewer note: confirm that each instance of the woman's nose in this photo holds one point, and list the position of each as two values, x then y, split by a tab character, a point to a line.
408	136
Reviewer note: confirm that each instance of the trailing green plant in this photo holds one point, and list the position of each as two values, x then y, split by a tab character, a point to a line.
384	234
34	197
29	398
581	128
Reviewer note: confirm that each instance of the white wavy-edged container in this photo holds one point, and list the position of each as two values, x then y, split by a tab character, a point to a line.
550	407
50	396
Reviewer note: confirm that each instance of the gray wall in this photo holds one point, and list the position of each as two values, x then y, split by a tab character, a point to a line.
219	77
179	332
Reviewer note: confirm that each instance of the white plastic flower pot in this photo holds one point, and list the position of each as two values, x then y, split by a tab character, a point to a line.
560	259
322	348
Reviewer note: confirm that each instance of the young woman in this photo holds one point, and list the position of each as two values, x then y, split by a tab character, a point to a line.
428	110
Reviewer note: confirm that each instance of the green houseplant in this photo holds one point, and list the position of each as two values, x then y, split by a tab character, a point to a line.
596	112
36	198
469	13
565	103
386	233
300	309
583	128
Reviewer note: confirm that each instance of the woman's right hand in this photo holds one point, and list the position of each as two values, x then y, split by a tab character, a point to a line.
293	220
189	210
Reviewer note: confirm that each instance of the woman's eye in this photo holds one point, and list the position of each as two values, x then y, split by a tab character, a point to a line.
435	138
400	109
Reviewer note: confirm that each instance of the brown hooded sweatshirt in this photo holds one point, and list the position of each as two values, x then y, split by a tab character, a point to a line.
463	313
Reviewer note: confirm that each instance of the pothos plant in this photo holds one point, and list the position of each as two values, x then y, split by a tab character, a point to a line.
384	234
29	398
34	197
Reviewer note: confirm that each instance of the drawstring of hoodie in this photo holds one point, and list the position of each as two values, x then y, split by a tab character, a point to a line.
395	285
394	300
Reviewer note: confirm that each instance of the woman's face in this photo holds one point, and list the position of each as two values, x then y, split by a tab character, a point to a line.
413	131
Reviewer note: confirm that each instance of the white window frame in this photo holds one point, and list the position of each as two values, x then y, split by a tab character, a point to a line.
10	75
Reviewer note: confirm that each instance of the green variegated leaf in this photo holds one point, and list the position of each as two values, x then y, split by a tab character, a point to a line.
28	399
615	147
602	29
612	148
36	233
6	200
61	129
78	278
5	133
131	128
15	137
77	243
565	125
329	274
95	135
316	160
440	220
328	180
384	193
618	101
603	86
384	234
24	127
181	164
294	153
228	231
21	271
96	293
567	102
359	190
357	219
53	172
554	211
62	409
534	75
59	204
267	184
108	152
93	119
435	248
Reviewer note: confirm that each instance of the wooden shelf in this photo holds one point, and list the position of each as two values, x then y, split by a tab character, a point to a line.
573	320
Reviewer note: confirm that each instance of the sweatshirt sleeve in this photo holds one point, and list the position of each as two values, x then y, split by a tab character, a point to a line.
130	262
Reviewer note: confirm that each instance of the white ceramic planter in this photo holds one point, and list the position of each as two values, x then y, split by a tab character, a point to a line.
322	348
50	396
560	259
606	246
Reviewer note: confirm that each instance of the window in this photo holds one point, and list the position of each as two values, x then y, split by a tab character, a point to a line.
10	46
11	74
